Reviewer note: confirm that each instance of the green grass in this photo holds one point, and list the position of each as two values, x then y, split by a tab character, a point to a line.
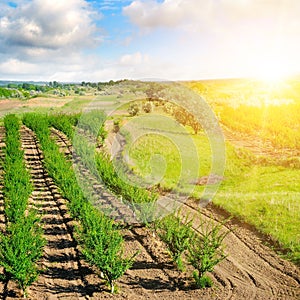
162	151
266	196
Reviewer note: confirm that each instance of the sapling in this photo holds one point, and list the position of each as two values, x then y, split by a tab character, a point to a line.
177	234
20	248
103	246
205	251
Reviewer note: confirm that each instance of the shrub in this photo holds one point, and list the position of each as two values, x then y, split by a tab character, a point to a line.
21	245
205	251
103	247
20	248
177	235
133	109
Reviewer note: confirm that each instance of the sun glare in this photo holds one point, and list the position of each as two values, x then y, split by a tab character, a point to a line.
271	73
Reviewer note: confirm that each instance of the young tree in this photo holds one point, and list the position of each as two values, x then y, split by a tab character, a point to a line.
133	109
177	234
205	251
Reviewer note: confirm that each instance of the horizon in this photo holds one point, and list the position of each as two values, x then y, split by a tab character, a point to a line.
171	40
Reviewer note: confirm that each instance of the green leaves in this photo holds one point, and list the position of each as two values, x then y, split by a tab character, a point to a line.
20	248
103	246
21	245
101	242
206	250
177	235
203	245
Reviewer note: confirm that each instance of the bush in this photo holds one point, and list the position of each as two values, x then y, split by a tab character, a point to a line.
177	235
133	109
21	245
103	247
148	107
20	248
205	251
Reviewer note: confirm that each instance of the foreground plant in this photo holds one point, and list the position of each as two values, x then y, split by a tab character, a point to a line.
206	250
20	248
102	246
22	243
177	235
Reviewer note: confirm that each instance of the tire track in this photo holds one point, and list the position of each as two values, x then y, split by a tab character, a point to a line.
267	279
63	270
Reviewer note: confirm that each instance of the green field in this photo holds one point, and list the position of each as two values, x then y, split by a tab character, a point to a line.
263	191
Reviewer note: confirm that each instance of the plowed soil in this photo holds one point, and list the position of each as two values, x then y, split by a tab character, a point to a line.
250	271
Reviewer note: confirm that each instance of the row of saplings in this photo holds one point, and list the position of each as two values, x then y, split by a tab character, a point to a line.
21	243
203	251
100	238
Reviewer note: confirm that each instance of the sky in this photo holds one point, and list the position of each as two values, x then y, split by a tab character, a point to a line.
78	40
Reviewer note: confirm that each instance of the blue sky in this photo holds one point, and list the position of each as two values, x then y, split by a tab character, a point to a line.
78	40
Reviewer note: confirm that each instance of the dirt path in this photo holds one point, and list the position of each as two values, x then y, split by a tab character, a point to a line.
251	270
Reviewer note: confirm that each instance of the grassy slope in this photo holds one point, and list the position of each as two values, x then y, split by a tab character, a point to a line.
265	196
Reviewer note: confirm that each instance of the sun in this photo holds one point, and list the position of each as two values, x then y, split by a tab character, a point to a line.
272	73
272	69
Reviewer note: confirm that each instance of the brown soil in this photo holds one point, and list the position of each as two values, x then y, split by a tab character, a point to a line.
9	105
251	270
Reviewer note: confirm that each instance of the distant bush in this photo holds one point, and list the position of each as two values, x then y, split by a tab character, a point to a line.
133	109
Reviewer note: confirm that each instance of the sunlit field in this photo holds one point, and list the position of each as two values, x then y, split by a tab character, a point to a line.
261	181
146	140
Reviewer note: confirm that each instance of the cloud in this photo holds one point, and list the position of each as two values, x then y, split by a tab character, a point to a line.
206	14
39	27
236	37
151	14
13	66
133	59
42	38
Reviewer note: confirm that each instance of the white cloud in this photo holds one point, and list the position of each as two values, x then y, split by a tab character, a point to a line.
169	13
206	13
13	66
39	26
42	38
226	36
133	59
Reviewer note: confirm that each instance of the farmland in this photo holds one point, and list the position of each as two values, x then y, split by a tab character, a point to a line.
92	217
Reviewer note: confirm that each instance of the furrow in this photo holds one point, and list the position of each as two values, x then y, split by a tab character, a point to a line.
252	268
105	200
63	270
